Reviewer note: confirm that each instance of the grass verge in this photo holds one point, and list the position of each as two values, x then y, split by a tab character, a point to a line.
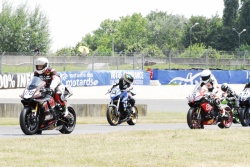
182	148
155	148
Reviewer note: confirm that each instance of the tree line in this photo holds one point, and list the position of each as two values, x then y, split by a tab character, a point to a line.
157	33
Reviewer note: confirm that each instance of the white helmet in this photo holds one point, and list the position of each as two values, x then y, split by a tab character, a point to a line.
205	76
41	61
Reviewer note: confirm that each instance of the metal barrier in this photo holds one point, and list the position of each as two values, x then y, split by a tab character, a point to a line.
14	63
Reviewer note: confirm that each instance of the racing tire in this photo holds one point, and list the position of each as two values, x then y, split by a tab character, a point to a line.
226	121
112	119
244	116
193	121
69	123
134	116
28	125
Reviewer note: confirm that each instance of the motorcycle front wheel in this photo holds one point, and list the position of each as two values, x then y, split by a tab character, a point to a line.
68	124
245	116
134	116
112	119
28	123
194	119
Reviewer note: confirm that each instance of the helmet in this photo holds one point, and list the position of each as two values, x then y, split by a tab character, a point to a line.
42	61
128	78
205	76
224	87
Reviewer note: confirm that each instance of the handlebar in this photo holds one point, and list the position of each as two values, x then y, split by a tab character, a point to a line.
47	90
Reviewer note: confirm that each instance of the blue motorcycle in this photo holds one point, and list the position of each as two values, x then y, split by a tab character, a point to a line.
115	111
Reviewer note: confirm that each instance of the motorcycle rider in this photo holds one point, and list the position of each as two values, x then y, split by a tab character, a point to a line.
209	81
53	81
125	85
230	94
247	85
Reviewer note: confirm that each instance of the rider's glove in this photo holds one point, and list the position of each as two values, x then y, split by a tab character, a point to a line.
211	101
127	89
51	92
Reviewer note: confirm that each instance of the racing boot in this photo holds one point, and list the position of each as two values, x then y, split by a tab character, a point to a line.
222	112
65	111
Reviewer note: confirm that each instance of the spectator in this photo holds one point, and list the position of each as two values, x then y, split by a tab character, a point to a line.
150	72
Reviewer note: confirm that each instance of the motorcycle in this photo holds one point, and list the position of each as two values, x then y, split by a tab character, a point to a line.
244	100
230	101
203	112
34	119
115	111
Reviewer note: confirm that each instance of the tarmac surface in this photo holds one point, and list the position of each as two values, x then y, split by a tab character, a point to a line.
158	98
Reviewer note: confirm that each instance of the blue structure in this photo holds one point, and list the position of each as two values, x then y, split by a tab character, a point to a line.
191	77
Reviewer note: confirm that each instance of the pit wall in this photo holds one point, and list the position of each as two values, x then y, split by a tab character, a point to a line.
8	110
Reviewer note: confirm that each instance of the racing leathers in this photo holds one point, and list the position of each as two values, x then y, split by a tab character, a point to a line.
213	90
53	82
230	94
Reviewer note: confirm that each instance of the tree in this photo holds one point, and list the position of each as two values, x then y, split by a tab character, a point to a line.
230	19
165	31
244	21
230	12
22	30
213	28
131	32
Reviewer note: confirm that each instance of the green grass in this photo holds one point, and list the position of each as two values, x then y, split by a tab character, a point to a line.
150	148
157	148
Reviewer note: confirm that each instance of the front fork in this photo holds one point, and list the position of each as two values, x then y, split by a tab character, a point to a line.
34	111
198	113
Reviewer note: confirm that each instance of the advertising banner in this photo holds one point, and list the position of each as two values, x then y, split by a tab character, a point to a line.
77	78
100	78
191	77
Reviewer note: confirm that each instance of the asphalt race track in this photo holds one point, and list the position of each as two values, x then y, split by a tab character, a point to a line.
15	131
157	98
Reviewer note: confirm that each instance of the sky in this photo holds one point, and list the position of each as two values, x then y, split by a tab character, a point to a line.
70	20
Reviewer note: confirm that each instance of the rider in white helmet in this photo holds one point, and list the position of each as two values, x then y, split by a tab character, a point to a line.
209	81
52	80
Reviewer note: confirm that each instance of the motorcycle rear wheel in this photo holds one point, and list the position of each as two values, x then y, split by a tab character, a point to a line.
68	124
193	120
226	122
245	116
28	125
112	119
134	116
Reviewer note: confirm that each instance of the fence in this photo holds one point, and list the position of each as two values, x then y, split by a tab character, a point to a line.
19	63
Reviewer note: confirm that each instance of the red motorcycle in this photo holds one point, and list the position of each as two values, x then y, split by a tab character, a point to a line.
34	118
203	112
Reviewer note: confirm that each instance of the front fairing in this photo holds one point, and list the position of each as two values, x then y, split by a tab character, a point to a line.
115	93
33	88
244	98
197	96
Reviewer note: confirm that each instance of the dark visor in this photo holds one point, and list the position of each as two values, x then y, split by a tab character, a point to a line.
205	78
